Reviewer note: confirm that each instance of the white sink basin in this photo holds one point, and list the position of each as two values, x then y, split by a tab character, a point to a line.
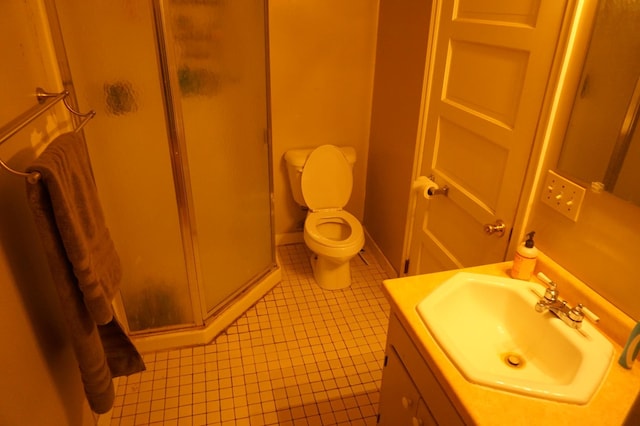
489	329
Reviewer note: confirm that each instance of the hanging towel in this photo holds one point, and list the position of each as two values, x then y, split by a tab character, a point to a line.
84	265
67	176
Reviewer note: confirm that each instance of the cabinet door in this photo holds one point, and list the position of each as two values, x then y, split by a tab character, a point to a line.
423	416
398	395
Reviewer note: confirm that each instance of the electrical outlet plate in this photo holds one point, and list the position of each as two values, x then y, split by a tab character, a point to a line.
563	195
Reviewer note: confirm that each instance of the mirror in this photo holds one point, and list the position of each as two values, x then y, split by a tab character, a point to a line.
601	148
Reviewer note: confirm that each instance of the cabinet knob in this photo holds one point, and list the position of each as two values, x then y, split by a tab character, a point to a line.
416	421
406	402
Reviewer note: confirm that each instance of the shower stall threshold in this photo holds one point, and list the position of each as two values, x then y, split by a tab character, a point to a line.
213	326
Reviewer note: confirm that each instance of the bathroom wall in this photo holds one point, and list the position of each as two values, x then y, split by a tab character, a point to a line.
322	56
395	119
601	248
40	380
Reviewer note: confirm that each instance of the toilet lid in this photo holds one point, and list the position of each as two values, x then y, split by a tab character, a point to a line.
327	179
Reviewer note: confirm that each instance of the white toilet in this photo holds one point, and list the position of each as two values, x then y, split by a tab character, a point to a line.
321	179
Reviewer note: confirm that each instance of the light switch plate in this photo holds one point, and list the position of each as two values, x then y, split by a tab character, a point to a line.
563	195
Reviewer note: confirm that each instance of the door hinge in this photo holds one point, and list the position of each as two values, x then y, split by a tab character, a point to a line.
378	419
386	358
406	266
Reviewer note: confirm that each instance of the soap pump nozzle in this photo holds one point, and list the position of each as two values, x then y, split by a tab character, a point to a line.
529	243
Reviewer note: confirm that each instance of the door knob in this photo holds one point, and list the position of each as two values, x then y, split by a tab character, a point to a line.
495	228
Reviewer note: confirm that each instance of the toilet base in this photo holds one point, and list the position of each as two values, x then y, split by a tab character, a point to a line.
330	275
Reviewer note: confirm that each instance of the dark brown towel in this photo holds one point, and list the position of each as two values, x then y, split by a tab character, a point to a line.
83	264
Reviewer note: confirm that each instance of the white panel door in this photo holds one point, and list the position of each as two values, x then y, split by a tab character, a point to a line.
487	81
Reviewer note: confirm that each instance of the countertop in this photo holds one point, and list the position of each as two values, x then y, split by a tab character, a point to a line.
482	405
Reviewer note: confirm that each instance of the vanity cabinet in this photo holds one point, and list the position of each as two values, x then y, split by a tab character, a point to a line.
410	393
400	400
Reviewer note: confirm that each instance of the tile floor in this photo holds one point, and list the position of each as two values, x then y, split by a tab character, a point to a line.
300	356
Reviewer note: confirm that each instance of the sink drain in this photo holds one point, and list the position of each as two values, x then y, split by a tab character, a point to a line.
513	360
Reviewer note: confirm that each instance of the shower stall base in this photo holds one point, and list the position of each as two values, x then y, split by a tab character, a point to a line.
171	339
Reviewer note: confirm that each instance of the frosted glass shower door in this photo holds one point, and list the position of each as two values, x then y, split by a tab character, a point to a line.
111	48
220	55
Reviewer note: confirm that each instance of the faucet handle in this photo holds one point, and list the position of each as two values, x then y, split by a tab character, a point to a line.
545	279
551	293
580	309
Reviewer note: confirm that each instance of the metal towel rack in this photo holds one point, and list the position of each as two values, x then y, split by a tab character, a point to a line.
20	122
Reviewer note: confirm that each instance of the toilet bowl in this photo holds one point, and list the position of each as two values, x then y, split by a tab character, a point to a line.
334	235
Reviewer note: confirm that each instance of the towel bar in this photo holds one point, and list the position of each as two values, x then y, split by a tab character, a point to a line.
22	121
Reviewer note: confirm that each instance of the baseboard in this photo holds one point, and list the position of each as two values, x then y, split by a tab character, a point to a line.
372	248
289	238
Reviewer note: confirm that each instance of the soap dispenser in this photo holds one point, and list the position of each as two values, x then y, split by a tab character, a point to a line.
524	261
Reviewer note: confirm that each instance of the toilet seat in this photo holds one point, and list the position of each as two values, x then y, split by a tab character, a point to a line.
316	219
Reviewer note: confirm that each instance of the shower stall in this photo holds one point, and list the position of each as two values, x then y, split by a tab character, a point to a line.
180	148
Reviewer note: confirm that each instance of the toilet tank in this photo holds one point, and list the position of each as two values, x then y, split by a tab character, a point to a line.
295	160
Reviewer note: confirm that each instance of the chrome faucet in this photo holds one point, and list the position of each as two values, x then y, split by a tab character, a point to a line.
551	302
